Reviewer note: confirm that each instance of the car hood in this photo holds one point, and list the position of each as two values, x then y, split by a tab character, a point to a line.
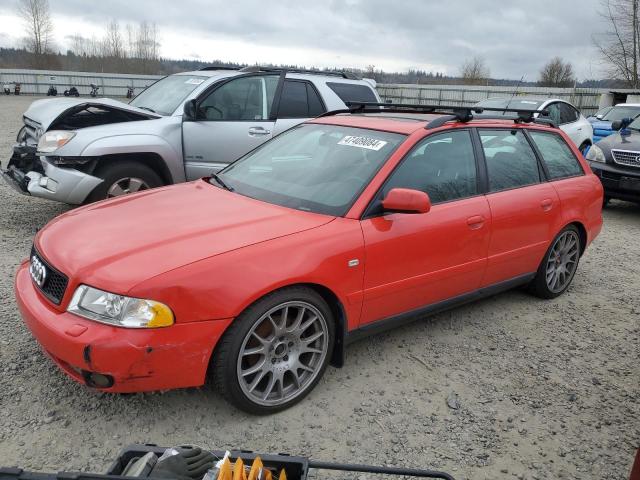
119	243
620	142
50	110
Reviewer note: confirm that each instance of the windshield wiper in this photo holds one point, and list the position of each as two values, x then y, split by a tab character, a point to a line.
220	182
149	109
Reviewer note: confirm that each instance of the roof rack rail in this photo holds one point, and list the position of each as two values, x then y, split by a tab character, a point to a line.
217	67
342	74
449	112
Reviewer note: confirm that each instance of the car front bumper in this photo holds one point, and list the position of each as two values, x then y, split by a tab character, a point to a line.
134	360
621	183
34	175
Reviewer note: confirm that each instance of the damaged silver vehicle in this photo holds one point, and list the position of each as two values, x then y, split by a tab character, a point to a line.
183	127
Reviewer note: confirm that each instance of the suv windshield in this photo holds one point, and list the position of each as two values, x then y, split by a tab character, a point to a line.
166	95
312	167
618	113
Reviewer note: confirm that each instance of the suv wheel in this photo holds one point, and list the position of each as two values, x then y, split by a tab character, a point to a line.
121	178
275	352
559	265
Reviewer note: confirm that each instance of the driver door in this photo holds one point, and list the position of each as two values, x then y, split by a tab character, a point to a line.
233	119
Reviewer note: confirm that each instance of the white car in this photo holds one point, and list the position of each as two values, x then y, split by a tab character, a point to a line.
562	113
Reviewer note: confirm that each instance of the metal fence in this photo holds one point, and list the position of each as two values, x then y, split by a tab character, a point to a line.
587	100
37	82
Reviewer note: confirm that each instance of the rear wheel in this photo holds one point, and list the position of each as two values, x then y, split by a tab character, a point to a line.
559	265
122	178
584	148
275	352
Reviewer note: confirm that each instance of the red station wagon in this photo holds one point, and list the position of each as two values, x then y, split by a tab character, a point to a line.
346	225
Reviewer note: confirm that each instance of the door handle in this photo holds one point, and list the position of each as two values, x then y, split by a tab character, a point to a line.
580	129
476	222
546	204
253	131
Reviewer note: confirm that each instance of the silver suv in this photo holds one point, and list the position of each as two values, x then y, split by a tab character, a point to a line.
183	127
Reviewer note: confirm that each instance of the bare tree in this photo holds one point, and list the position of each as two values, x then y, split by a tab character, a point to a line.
38	25
474	71
620	45
113	42
557	73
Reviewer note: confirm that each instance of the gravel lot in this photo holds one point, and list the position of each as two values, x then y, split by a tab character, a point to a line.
545	389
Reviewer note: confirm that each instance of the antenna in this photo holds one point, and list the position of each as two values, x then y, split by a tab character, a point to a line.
515	91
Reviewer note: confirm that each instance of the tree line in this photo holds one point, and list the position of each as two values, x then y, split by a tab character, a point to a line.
136	49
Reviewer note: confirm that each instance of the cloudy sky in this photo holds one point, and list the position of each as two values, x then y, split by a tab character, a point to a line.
515	38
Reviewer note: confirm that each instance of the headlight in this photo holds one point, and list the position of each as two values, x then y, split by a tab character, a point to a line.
53	140
118	310
595	154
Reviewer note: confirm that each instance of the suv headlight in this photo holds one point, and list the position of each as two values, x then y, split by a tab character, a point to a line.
595	154
53	140
118	310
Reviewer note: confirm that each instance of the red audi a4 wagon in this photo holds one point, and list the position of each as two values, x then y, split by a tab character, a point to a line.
259	276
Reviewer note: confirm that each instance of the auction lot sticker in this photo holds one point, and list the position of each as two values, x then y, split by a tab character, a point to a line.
362	142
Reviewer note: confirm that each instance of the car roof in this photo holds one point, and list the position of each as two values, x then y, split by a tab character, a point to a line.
627	105
407	123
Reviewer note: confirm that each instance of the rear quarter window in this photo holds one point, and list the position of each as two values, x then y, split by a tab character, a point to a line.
349	92
556	155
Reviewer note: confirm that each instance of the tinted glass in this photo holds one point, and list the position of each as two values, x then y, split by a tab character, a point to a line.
511	162
568	114
246	98
312	167
556	155
293	102
349	92
620	112
442	165
555	115
166	95
315	103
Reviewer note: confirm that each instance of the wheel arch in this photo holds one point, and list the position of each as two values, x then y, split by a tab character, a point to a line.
582	232
152	160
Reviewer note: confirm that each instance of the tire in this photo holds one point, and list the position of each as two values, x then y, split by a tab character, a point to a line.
584	148
543	285
279	352
117	172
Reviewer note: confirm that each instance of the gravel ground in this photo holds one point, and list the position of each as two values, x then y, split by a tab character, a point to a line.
540	389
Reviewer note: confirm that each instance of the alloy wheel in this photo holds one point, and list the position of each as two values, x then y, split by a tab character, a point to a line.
282	353
562	261
126	185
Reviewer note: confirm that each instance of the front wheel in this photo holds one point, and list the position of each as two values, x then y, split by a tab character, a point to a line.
559	265
275	352
122	178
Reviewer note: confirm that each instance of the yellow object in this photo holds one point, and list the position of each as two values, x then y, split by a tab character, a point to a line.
256	466
226	470
162	315
238	470
283	475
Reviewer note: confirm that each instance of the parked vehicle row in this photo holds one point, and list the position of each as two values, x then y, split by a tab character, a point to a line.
602	126
259	275
183	127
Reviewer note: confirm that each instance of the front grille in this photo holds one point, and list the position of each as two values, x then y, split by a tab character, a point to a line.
55	283
626	157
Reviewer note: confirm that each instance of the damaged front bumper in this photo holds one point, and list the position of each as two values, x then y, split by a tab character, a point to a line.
132	360
34	175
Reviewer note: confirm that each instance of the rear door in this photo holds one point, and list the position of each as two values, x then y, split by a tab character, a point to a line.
298	102
233	119
525	208
414	260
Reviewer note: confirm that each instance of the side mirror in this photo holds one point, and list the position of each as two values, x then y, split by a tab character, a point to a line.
405	200
190	111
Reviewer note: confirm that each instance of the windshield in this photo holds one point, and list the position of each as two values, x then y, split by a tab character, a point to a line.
618	113
312	167
166	95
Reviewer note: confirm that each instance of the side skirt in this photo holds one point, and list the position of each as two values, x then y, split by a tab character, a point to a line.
413	315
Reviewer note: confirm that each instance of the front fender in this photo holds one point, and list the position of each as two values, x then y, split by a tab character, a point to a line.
138	143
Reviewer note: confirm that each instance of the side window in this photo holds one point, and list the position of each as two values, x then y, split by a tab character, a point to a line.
554	113
299	100
441	165
350	92
556	154
511	162
568	114
245	98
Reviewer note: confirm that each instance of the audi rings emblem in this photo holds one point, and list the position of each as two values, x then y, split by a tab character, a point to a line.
38	271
